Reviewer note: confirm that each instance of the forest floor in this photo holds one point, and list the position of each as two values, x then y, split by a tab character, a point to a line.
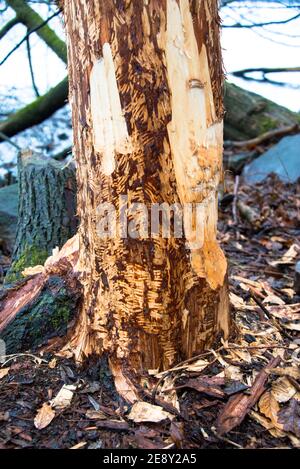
246	394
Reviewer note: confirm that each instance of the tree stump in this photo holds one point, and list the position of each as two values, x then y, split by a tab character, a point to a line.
46	211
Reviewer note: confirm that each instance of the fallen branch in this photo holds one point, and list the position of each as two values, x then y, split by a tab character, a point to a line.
253	142
37	111
239	405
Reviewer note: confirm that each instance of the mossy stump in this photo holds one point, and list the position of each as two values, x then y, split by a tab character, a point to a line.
46	211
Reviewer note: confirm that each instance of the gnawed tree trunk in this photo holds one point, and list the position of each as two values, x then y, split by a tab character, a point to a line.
46	212
146	93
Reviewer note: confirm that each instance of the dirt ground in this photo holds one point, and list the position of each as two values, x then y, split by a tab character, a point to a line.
221	399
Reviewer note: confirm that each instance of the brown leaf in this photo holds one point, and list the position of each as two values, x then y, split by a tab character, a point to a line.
206	385
3	372
269	407
177	433
95	415
144	412
266	423
290	417
291	371
283	390
44	416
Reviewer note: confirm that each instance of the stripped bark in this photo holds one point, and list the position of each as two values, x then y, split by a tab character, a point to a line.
146	94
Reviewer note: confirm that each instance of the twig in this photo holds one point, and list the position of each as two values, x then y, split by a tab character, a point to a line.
7	139
239	405
257	25
268	314
8	26
31	67
263	137
223	438
249	347
234	210
28	34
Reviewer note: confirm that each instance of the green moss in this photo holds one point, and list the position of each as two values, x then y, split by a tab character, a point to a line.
47	317
267	123
61	316
30	257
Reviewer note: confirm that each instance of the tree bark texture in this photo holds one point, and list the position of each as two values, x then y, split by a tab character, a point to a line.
46	212
146	86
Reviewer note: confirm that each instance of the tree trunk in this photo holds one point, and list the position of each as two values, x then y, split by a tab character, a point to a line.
46	212
146	94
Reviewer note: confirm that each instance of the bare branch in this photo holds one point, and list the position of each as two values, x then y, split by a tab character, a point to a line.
264	72
28	34
37	111
8	26
256	25
35	23
31	67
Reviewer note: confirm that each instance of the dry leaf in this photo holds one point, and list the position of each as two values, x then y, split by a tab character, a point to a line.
79	445
287	312
4	416
144	412
267	424
269	406
239	303
64	396
288	257
198	365
95	415
291	371
282	390
205	385
290	417
3	372
238	406
171	396
233	373
52	363
44	416
294	440
273	299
